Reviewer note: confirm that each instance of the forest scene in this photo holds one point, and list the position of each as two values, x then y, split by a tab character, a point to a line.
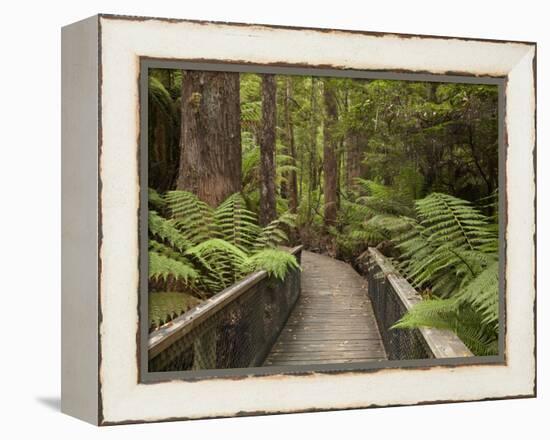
243	167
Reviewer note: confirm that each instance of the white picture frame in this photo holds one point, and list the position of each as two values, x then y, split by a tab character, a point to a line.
101	353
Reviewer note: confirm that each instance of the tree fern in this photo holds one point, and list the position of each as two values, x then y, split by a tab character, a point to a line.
200	251
162	267
161	98
445	247
372	217
273	234
192	217
482	294
448	218
382	199
222	259
275	262
236	224
449	249
168	251
166	230
458	317
155	200
165	306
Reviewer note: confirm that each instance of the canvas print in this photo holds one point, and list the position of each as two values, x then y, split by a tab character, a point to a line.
302	221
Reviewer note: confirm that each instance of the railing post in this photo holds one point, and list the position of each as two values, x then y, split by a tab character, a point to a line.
233	329
392	296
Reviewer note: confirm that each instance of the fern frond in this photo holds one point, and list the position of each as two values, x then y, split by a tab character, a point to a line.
447	247
165	230
275	262
162	268
155	199
221	260
167	251
481	294
450	315
450	219
368	235
190	215
429	313
236	224
161	98
273	235
165	306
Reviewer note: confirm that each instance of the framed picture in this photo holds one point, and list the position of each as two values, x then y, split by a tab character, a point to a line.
262	219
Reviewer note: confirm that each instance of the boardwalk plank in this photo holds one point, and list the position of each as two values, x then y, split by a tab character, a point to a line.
333	321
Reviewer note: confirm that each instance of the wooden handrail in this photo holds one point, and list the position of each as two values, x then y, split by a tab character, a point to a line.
442	343
165	336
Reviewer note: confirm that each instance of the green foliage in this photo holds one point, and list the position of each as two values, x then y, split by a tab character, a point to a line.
374	213
163	267
273	234
155	199
445	248
251	170
382	199
458	317
450	252
190	216
200	251
165	306
161	97
236	224
166	231
275	262
221	262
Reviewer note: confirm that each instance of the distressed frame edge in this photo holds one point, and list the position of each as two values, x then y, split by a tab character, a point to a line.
80	132
125	17
247	413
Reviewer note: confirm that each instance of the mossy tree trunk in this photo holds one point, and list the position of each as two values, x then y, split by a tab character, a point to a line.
210	143
268	207
292	178
330	155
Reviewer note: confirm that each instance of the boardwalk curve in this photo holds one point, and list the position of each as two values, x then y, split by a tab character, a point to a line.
332	322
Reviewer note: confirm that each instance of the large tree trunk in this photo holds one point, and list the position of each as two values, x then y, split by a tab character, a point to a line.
330	159
292	179
268	209
210	143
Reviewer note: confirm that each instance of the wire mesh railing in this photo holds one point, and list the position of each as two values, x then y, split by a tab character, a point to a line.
392	296
234	329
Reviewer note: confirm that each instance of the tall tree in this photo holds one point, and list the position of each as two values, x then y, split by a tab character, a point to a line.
354	157
330	158
268	207
292	179
210	142
313	146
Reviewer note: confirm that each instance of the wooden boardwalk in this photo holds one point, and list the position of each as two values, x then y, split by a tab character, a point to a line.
333	321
